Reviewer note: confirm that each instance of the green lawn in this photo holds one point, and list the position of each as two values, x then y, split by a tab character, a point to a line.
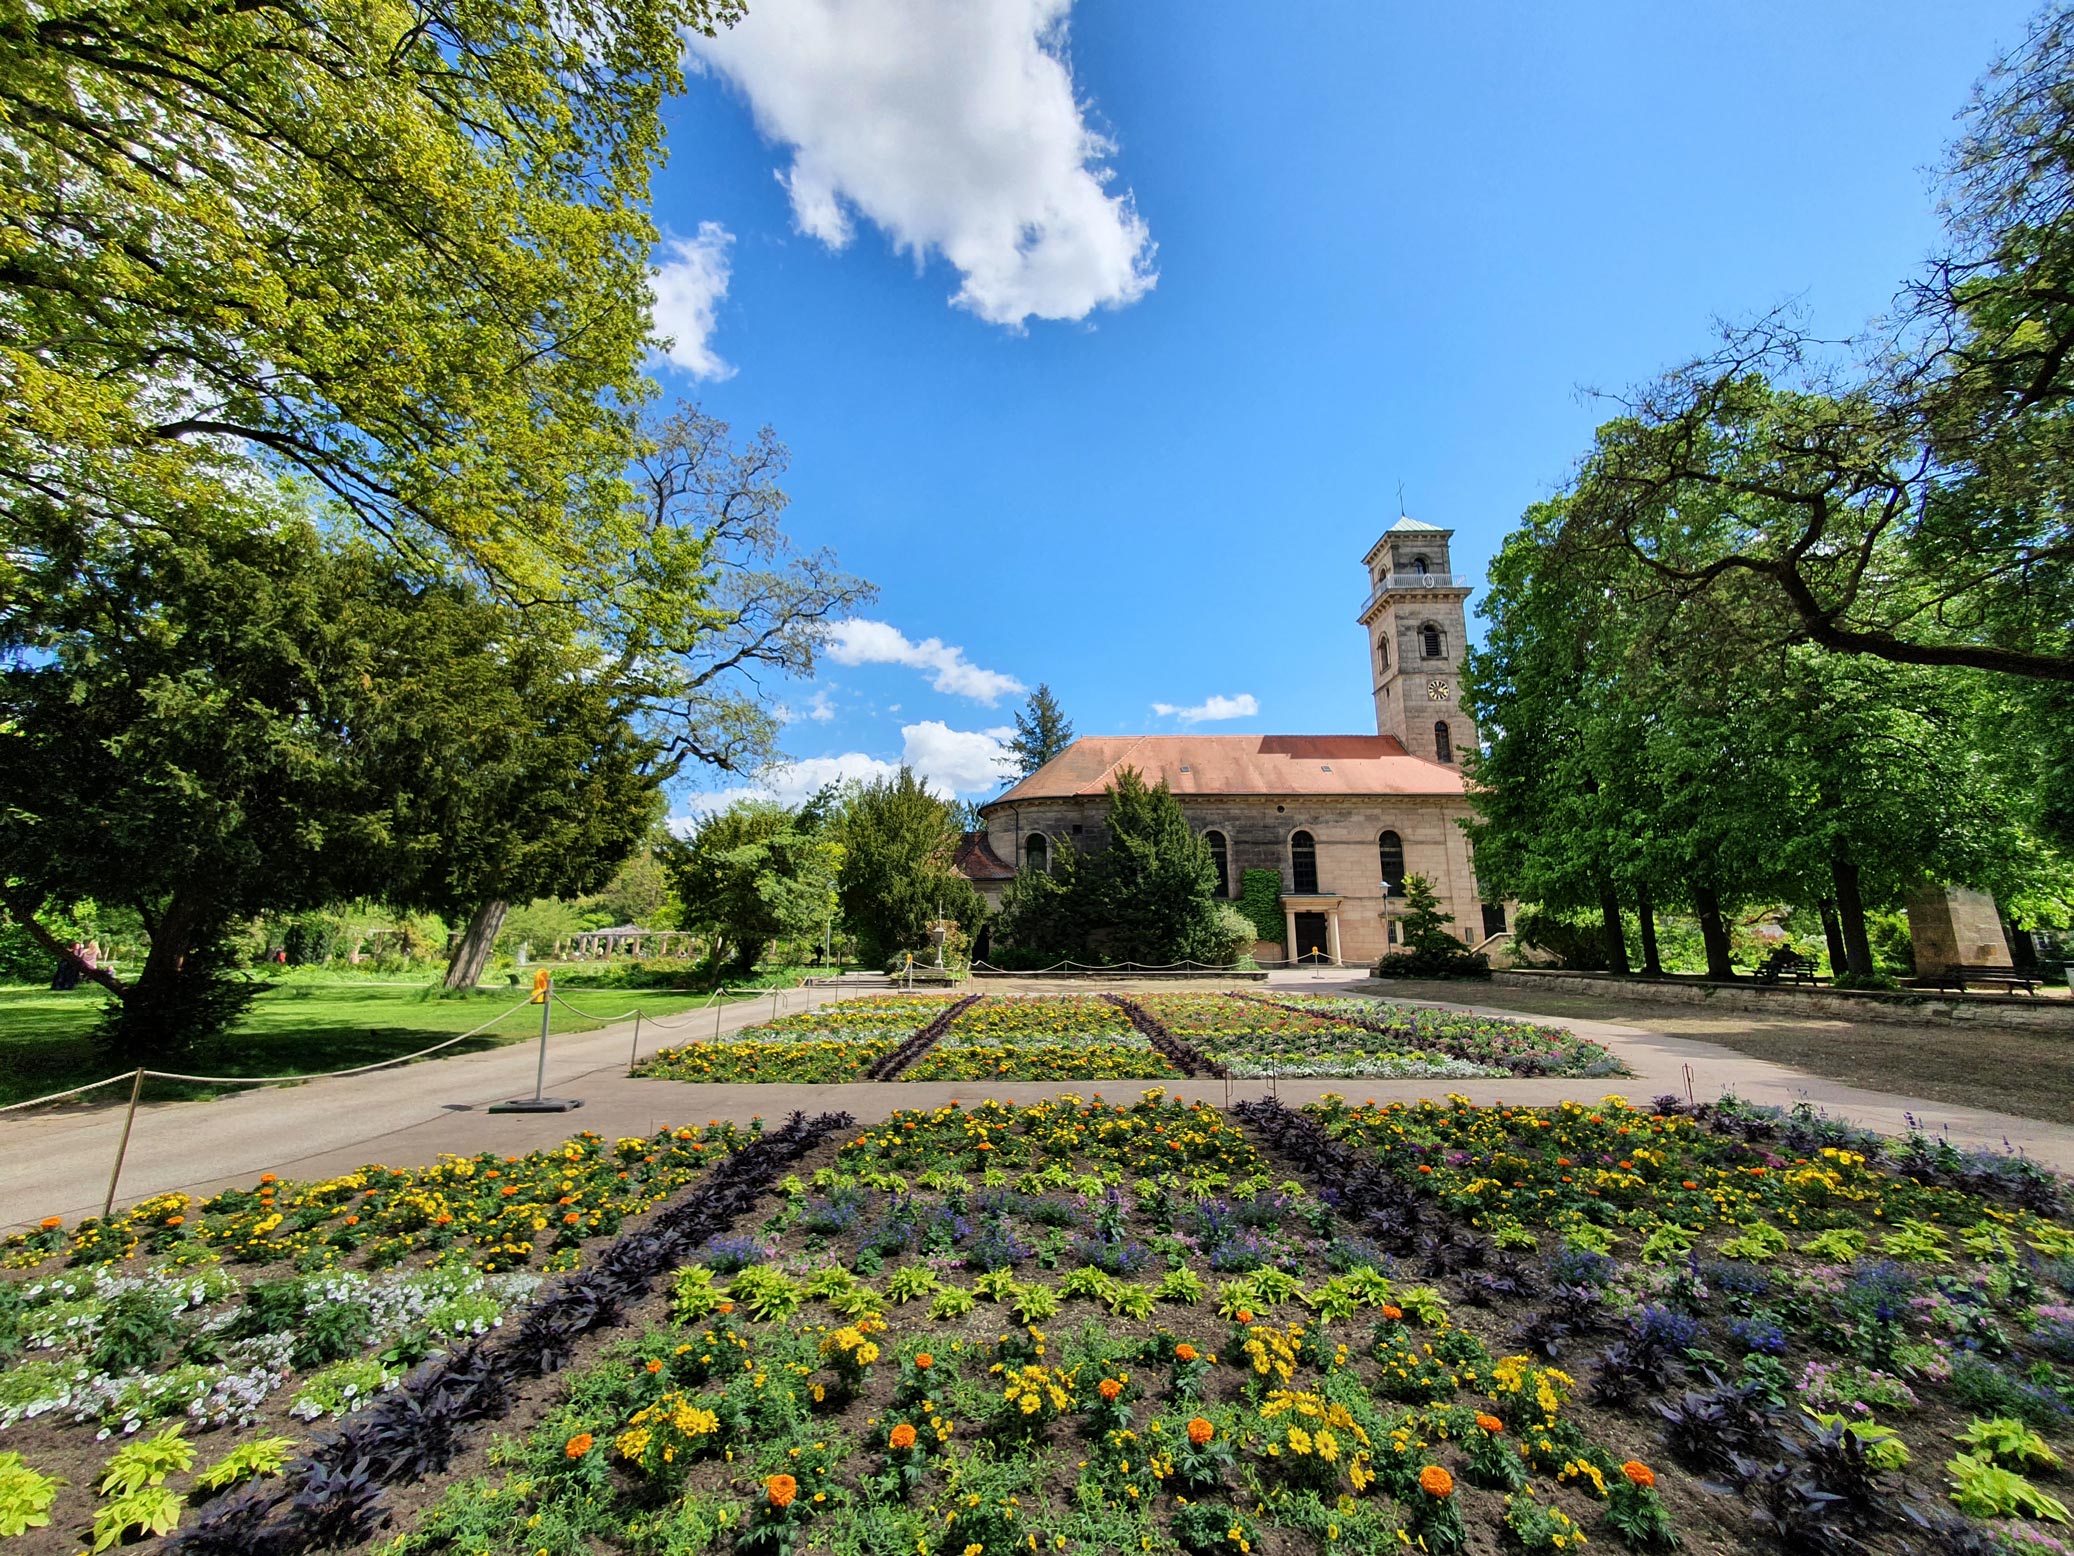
305	1024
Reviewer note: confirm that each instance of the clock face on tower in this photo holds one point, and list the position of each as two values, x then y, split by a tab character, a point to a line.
1436	690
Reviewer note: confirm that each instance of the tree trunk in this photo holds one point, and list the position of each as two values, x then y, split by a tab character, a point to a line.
472	954
1713	933
1833	932
23	911
1645	910
1616	939
1850	909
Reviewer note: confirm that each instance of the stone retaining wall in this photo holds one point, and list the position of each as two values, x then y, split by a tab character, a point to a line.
2041	1013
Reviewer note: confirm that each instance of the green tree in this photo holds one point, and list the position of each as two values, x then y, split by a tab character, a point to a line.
896	879
754	872
1144	896
1041	732
405	252
207	722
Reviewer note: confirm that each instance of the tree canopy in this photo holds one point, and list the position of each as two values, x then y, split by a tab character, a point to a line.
896	879
402	251
1042	731
235	718
755	871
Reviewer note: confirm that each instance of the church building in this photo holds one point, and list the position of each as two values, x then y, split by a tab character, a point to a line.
1342	820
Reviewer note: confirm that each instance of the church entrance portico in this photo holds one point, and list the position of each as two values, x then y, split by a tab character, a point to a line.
1313	926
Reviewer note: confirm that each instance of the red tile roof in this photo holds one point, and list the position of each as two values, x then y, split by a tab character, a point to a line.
1240	764
977	861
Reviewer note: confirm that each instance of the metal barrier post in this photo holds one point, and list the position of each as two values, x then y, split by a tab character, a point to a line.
545	993
634	1053
122	1150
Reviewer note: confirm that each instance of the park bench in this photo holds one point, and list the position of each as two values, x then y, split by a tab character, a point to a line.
1990	977
1783	964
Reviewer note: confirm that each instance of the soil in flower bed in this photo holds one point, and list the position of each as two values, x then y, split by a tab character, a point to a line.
1094	1328
267	1313
1753	1288
1077	1037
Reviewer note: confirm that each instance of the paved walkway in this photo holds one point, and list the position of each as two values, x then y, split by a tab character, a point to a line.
57	1162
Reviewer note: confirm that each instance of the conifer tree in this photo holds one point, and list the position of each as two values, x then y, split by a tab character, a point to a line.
1042	731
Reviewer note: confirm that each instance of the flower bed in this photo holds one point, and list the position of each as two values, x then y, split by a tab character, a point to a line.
1055	1328
208	1325
1862	1353
1375	1038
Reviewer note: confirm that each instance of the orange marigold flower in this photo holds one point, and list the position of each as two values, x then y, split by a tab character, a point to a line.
1185	1352
51	1223
1423	1167
725	1307
267	1177
781	1489
1391	1311
579	1445
1109	1388
655	1364
1200	1431
924	1360
1436	1482
1690	1184
1245	1315
571	1218
1490	1424
174	1220
1640	1473
903	1436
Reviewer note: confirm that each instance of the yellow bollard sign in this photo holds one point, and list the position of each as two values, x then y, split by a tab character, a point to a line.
540	976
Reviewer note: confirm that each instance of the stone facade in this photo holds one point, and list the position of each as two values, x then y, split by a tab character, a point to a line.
1347	833
1954	927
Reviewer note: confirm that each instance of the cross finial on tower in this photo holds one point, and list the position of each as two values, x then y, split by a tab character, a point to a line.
1400	499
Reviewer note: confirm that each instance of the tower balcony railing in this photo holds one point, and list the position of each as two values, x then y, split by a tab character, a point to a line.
1398	583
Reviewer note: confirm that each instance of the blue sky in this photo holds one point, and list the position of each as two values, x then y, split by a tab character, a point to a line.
1275	261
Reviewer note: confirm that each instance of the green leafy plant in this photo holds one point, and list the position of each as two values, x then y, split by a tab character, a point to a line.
25	1496
1838	1245
693	1295
1183	1286
146	1462
149	1510
1757	1240
1884	1449
769	1294
2007	1441
1917	1242
911	1283
248	1461
1986	1490
951	1302
1538	1528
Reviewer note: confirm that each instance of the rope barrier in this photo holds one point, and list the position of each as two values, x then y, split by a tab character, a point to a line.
325	1075
71	1091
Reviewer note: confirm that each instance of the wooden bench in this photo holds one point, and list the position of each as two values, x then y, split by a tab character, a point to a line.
1989	977
1783	964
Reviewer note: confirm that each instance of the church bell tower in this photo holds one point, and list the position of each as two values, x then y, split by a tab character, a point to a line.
1417	630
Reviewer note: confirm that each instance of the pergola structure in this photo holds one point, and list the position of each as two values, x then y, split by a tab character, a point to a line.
626	940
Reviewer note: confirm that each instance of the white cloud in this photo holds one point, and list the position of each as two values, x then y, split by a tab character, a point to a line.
860	642
957	761
952	762
1243	706
688	288
954	127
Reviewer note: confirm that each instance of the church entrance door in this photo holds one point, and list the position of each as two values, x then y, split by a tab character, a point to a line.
1313	938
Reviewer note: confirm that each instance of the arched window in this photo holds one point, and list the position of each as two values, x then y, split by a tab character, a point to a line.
1429	641
1443	743
1220	857
1303	865
1418	566
1382	654
1390	848
1037	853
